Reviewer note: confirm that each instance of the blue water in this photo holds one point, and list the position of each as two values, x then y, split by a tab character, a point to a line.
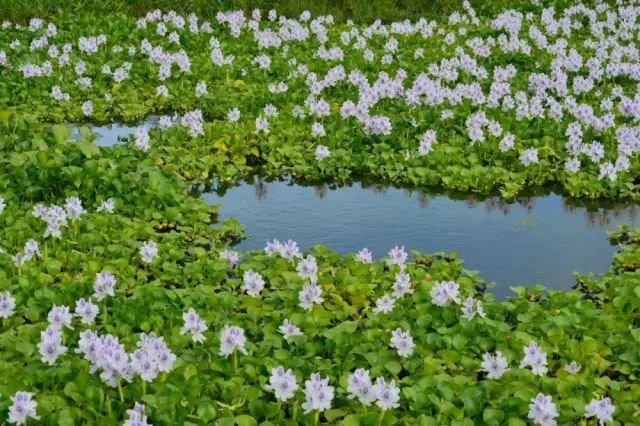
110	134
537	240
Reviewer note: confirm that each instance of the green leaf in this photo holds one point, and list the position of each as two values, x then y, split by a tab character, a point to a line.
65	418
206	411
351	420
493	416
5	116
24	347
61	133
88	149
245	420
335	414
394	367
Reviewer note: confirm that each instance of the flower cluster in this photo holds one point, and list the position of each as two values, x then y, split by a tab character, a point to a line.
193	324
22	408
232	339
282	383
385	395
318	394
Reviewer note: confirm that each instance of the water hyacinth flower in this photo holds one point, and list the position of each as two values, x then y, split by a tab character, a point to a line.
165	122
542	411
73	208
86	311
152	357
402	285
104	285
107	206
384	304
402	342
609	171
87	108
148	251
22	408
318	394
572	165
529	156
58	94
253	283
507	142
364	256
141	139
494	365
194	122
231	256
136	416
162	91
289	250
54	216
50	346
282	383
272	247
59	316
31	249
233	115
471	308
262	125
573	367
231	339
201	89
445	292
322	152
359	386
120	74
397	256
317	131
427	142
602	409
288	330
105	353
193	324
7	305
19	259
307	268
387	394
309	295
270	110
535	358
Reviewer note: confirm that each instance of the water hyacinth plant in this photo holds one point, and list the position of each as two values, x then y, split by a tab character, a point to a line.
123	300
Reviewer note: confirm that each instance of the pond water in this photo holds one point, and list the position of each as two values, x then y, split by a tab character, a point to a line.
110	134
536	240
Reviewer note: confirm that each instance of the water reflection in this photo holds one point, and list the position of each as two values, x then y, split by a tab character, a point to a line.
596	213
109	134
536	238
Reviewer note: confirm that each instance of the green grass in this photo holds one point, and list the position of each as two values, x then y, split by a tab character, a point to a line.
358	10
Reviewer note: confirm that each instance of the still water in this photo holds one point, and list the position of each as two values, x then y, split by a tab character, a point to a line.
110	134
535	240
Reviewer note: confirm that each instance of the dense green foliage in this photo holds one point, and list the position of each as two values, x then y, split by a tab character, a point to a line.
230	150
358	10
597	326
442	381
